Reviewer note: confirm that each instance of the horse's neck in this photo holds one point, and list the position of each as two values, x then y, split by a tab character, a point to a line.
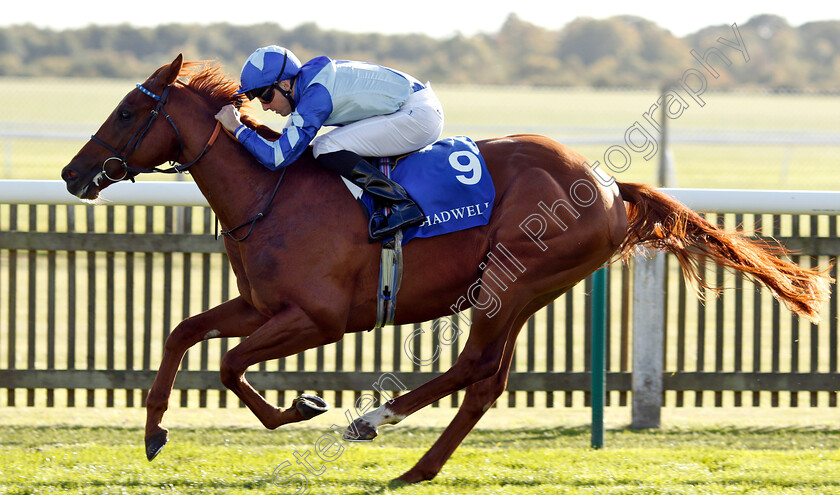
234	187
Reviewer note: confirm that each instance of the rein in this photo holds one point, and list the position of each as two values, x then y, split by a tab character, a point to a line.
121	155
252	222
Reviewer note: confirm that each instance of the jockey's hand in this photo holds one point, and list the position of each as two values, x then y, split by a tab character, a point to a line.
229	117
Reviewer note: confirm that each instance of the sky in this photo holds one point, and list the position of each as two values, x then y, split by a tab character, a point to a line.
437	18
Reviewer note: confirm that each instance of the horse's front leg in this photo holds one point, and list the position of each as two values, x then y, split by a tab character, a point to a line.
235	318
289	332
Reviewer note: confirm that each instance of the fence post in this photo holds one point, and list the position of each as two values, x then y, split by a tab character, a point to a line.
667	173
648	339
599	372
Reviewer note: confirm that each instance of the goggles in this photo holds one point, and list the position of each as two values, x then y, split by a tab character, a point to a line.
265	94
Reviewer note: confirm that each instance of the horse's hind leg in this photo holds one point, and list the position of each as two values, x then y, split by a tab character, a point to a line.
481	358
478	399
234	318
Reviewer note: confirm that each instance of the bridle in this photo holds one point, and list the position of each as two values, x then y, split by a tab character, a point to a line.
122	155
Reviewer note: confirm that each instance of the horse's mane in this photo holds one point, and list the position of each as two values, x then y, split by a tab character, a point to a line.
208	80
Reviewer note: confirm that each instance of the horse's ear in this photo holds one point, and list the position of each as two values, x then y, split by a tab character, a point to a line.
170	73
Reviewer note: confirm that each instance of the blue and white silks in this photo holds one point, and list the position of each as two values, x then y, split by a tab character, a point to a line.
330	92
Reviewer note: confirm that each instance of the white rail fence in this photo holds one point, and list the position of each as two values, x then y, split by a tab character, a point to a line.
158	193
650	291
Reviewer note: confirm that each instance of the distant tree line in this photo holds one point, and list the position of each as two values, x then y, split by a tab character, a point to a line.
622	51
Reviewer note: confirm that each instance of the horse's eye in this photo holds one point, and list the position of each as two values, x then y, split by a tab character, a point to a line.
124	115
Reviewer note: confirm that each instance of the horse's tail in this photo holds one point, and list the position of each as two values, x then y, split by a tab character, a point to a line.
659	221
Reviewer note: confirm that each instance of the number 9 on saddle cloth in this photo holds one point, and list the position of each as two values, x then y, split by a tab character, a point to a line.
449	181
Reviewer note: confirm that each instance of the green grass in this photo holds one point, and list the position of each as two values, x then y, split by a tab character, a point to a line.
80	106
519	452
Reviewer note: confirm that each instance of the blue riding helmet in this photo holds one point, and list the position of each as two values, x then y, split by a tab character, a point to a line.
266	66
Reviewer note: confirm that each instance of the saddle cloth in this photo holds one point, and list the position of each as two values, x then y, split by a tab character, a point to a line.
449	181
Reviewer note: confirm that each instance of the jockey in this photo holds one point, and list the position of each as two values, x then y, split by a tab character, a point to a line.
379	111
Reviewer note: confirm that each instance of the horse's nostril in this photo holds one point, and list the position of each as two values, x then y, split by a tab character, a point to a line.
69	175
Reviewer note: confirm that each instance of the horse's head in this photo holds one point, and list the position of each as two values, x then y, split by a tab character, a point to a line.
137	135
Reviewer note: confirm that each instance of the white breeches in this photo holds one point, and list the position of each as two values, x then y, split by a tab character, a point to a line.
418	123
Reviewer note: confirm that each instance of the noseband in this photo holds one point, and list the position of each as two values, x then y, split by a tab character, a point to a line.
121	155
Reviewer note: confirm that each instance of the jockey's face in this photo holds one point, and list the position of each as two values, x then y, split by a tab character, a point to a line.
279	104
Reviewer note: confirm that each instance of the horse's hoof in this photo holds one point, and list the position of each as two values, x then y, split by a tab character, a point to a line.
155	443
360	431
310	406
414	476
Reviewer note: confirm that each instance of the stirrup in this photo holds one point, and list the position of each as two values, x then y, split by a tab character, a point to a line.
389	232
386	229
390	279
377	220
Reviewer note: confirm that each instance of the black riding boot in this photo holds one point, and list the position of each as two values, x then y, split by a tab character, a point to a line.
404	211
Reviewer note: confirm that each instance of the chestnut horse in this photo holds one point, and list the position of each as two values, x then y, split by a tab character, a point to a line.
307	274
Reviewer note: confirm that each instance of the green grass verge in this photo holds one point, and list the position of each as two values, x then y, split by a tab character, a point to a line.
527	461
510	454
